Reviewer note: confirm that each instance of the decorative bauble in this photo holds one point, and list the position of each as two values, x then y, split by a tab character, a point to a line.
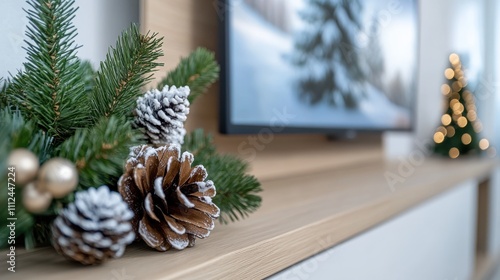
34	200
58	176
171	200
161	114
94	228
26	164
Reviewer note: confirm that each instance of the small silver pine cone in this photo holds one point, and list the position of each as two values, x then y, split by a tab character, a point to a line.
94	228
161	114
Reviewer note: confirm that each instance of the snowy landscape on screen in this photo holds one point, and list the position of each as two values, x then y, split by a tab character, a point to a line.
264	79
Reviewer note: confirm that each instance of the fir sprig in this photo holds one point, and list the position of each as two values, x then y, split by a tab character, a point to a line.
236	191
56	99
99	152
3	92
88	76
127	68
198	71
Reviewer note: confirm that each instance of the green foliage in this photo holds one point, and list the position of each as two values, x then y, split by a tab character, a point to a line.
99	152
16	133
56	99
127	68
236	191
73	111
88	75
58	106
3	92
198	71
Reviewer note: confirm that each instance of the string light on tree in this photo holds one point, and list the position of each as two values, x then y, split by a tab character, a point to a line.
460	127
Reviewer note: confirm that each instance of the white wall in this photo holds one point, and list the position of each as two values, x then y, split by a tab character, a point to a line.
99	22
12	27
435	241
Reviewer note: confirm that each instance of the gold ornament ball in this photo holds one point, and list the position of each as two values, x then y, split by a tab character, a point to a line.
26	164
58	176
35	201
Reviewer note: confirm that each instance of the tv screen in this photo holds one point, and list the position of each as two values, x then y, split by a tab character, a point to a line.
318	65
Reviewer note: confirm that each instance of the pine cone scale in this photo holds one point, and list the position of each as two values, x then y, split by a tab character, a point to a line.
186	162
196	231
149	206
131	195
151	235
193	216
177	241
174	226
210	209
171	172
198	174
140	179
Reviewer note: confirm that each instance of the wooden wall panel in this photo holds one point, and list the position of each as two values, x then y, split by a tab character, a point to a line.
187	24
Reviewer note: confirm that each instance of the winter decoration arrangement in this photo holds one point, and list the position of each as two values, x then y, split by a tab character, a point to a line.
460	126
89	162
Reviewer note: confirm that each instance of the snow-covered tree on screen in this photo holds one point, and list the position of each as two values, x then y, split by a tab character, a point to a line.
373	56
328	48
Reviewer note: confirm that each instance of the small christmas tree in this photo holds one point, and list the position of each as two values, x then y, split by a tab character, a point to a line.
459	132
329	49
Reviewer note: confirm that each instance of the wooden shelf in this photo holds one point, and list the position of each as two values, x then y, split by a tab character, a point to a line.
300	217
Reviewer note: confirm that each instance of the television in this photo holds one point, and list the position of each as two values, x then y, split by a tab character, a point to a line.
327	66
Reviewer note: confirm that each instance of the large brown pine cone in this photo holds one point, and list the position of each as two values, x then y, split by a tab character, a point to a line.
171	200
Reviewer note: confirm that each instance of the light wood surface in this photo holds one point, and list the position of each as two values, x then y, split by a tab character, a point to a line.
300	217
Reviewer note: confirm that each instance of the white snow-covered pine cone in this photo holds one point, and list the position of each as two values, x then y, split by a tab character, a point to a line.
161	114
94	228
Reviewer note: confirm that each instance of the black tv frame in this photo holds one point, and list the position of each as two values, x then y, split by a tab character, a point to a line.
225	125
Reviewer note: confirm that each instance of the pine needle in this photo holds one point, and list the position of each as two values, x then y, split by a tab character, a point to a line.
56	99
127	68
198	71
236	191
99	152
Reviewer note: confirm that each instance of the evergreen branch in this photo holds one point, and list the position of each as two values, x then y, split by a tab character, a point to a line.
127	68
198	71
236	191
15	93
99	152
199	144
88	75
3	92
54	92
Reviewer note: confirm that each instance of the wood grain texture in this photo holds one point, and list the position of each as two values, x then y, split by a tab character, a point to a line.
300	217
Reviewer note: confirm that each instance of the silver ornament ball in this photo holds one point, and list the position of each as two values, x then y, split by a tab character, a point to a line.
35	201
26	164
58	176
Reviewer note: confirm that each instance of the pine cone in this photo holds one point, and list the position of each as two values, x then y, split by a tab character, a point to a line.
161	114
94	228
171	201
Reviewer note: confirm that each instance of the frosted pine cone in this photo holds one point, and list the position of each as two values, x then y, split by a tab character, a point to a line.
94	228
171	200
161	114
